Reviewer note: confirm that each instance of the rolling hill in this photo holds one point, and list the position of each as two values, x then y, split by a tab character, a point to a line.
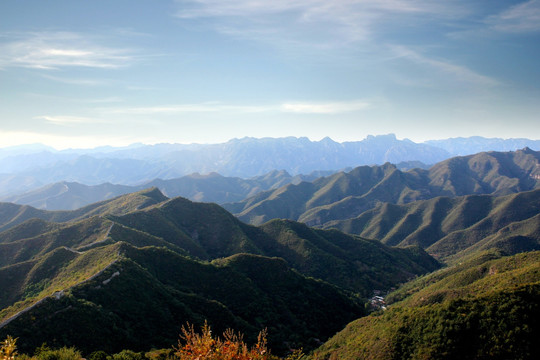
13	214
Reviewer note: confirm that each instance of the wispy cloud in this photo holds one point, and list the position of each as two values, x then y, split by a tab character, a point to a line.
307	8
325	108
54	50
77	81
189	108
521	18
289	107
457	72
68	120
336	22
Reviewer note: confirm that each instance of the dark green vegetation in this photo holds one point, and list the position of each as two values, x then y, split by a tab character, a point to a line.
346	195
130	271
141	299
485	308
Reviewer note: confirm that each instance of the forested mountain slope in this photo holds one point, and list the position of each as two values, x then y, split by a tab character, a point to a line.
138	298
125	267
485	308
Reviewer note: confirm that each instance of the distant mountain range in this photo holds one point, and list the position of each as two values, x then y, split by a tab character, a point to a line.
24	168
415	180
212	187
462	146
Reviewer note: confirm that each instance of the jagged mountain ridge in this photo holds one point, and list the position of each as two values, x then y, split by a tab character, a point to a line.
247	157
348	194
454	227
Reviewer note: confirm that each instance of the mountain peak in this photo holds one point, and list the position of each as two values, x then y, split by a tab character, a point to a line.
153	193
327	140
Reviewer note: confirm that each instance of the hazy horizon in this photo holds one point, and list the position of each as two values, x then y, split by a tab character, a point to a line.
137	144
89	74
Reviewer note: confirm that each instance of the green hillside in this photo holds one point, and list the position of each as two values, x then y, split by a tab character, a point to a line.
207	231
29	282
485	308
141	300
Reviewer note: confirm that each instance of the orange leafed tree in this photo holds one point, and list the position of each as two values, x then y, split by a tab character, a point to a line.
195	346
231	347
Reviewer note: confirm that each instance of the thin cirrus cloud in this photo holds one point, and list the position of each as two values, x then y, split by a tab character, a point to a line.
339	22
521	18
78	81
68	120
289	107
54	50
326	108
188	108
456	72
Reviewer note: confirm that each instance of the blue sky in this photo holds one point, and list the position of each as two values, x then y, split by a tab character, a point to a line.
89	73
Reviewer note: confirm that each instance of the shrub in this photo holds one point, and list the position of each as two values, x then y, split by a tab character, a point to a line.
64	353
127	355
98	355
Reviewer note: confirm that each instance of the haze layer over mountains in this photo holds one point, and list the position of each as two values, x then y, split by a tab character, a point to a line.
26	168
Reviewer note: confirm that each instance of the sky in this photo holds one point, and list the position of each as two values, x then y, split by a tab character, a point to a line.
91	73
